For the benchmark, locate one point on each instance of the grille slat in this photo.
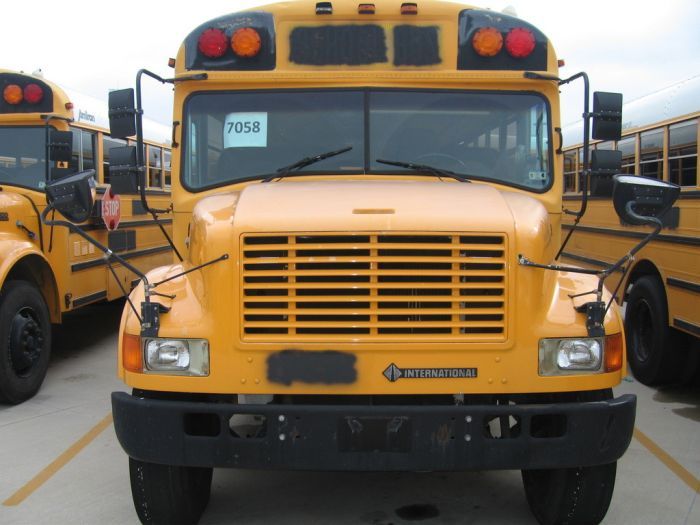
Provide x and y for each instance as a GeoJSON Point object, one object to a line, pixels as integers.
{"type": "Point", "coordinates": [366, 287]}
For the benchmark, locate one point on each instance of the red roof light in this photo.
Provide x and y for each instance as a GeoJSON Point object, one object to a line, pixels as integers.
{"type": "Point", "coordinates": [520, 42]}
{"type": "Point", "coordinates": [33, 93]}
{"type": "Point", "coordinates": [213, 43]}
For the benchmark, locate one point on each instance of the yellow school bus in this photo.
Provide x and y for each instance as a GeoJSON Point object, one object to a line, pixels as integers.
{"type": "Point", "coordinates": [662, 284]}
{"type": "Point", "coordinates": [46, 272]}
{"type": "Point", "coordinates": [368, 197]}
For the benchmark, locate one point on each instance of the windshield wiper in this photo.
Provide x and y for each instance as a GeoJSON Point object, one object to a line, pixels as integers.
{"type": "Point", "coordinates": [438, 172]}
{"type": "Point", "coordinates": [306, 161]}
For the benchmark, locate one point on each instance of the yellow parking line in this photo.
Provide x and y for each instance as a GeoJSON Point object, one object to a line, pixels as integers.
{"type": "Point", "coordinates": [43, 476]}
{"type": "Point", "coordinates": [666, 459]}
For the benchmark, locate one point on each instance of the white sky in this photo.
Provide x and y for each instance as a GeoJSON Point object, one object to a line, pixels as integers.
{"type": "Point", "coordinates": [635, 47]}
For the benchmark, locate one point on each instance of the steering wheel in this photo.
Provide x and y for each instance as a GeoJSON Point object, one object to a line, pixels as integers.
{"type": "Point", "coordinates": [447, 156]}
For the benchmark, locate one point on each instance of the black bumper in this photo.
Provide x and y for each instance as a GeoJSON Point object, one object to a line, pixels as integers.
{"type": "Point", "coordinates": [375, 438]}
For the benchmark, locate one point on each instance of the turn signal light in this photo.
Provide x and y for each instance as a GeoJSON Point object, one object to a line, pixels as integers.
{"type": "Point", "coordinates": [487, 41]}
{"type": "Point", "coordinates": [12, 94]}
{"type": "Point", "coordinates": [613, 352]}
{"type": "Point", "coordinates": [246, 42]}
{"type": "Point", "coordinates": [33, 93]}
{"type": "Point", "coordinates": [132, 357]}
{"type": "Point", "coordinates": [520, 42]}
{"type": "Point", "coordinates": [213, 43]}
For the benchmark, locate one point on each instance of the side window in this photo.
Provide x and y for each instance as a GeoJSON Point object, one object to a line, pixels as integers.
{"type": "Point", "coordinates": [107, 144]}
{"type": "Point", "coordinates": [569, 171]}
{"type": "Point", "coordinates": [651, 153]}
{"type": "Point", "coordinates": [155, 179]}
{"type": "Point", "coordinates": [683, 153]}
{"type": "Point", "coordinates": [167, 166]}
{"type": "Point", "coordinates": [88, 150]}
{"type": "Point", "coordinates": [74, 164]}
{"type": "Point", "coordinates": [627, 147]}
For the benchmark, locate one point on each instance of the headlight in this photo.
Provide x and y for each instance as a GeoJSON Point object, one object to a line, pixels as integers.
{"type": "Point", "coordinates": [189, 357]}
{"type": "Point", "coordinates": [570, 356]}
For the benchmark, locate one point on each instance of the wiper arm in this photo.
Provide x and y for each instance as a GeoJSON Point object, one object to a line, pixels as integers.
{"type": "Point", "coordinates": [438, 172]}
{"type": "Point", "coordinates": [306, 161]}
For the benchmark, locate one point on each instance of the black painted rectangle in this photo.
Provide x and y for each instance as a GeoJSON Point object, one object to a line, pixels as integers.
{"type": "Point", "coordinates": [374, 434]}
{"type": "Point", "coordinates": [336, 45]}
{"type": "Point", "coordinates": [121, 240]}
{"type": "Point", "coordinates": [416, 45]}
{"type": "Point", "coordinates": [325, 367]}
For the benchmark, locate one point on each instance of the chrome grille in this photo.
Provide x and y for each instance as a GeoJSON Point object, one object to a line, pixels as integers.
{"type": "Point", "coordinates": [373, 287]}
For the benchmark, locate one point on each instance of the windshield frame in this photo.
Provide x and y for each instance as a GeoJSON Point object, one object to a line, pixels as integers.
{"type": "Point", "coordinates": [41, 127]}
{"type": "Point", "coordinates": [366, 90]}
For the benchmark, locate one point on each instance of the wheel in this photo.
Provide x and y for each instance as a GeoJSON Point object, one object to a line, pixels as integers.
{"type": "Point", "coordinates": [654, 350]}
{"type": "Point", "coordinates": [25, 341]}
{"type": "Point", "coordinates": [166, 494]}
{"type": "Point", "coordinates": [570, 496]}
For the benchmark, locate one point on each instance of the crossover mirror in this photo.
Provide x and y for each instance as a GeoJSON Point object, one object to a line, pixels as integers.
{"type": "Point", "coordinates": [607, 116]}
{"type": "Point", "coordinates": [73, 196]}
{"type": "Point", "coordinates": [123, 170]}
{"type": "Point", "coordinates": [60, 145]}
{"type": "Point", "coordinates": [122, 113]}
{"type": "Point", "coordinates": [641, 200]}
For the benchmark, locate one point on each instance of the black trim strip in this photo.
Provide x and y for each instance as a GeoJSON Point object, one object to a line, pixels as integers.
{"type": "Point", "coordinates": [164, 193]}
{"type": "Point", "coordinates": [99, 262]}
{"type": "Point", "coordinates": [589, 260]}
{"type": "Point", "coordinates": [685, 325]}
{"type": "Point", "coordinates": [82, 301]}
{"type": "Point", "coordinates": [673, 239]}
{"type": "Point", "coordinates": [693, 194]}
{"type": "Point", "coordinates": [678, 283]}
{"type": "Point", "coordinates": [127, 224]}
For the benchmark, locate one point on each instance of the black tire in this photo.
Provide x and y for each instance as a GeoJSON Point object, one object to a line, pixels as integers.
{"type": "Point", "coordinates": [570, 496]}
{"type": "Point", "coordinates": [25, 341]}
{"type": "Point", "coordinates": [166, 494]}
{"type": "Point", "coordinates": [654, 350]}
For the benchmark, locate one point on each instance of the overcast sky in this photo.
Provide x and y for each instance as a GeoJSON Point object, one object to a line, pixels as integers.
{"type": "Point", "coordinates": [635, 47]}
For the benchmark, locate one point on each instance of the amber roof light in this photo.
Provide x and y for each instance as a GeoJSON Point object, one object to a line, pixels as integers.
{"type": "Point", "coordinates": [487, 41]}
{"type": "Point", "coordinates": [246, 42]}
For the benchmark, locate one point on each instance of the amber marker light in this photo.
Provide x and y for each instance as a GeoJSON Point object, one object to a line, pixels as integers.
{"type": "Point", "coordinates": [33, 93]}
{"type": "Point", "coordinates": [487, 41]}
{"type": "Point", "coordinates": [212, 43]}
{"type": "Point", "coordinates": [613, 352]}
{"type": "Point", "coordinates": [12, 94]}
{"type": "Point", "coordinates": [132, 356]}
{"type": "Point", "coordinates": [409, 9]}
{"type": "Point", "coordinates": [246, 42]}
{"type": "Point", "coordinates": [520, 42]}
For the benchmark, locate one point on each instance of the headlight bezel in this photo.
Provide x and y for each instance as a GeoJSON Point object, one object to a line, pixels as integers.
{"type": "Point", "coordinates": [551, 350]}
{"type": "Point", "coordinates": [197, 356]}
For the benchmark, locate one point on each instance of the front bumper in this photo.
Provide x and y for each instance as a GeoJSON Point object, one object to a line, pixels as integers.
{"type": "Point", "coordinates": [374, 438]}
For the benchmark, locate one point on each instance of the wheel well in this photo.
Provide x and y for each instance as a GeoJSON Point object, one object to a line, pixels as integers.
{"type": "Point", "coordinates": [37, 271]}
{"type": "Point", "coordinates": [642, 269]}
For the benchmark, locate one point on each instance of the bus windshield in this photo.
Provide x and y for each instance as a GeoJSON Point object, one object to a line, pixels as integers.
{"type": "Point", "coordinates": [22, 154]}
{"type": "Point", "coordinates": [500, 137]}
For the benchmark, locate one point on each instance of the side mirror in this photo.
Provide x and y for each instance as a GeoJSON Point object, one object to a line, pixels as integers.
{"type": "Point", "coordinates": [73, 196]}
{"type": "Point", "coordinates": [607, 116]}
{"type": "Point", "coordinates": [60, 145]}
{"type": "Point", "coordinates": [122, 113]}
{"type": "Point", "coordinates": [123, 170]}
{"type": "Point", "coordinates": [640, 200]}
{"type": "Point", "coordinates": [604, 164]}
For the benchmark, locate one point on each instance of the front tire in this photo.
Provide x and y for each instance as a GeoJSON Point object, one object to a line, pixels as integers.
{"type": "Point", "coordinates": [166, 494]}
{"type": "Point", "coordinates": [570, 496]}
{"type": "Point", "coordinates": [653, 348]}
{"type": "Point", "coordinates": [25, 341]}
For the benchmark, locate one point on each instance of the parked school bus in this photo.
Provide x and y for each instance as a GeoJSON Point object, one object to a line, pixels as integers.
{"type": "Point", "coordinates": [46, 272]}
{"type": "Point", "coordinates": [368, 202]}
{"type": "Point", "coordinates": [662, 286]}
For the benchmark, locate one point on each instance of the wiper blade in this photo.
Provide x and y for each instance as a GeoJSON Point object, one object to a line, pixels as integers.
{"type": "Point", "coordinates": [438, 172]}
{"type": "Point", "coordinates": [306, 161]}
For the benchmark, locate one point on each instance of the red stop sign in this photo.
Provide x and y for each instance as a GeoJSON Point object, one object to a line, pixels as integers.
{"type": "Point", "coordinates": [111, 209]}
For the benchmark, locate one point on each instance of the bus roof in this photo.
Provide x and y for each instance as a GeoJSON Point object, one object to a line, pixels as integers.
{"type": "Point", "coordinates": [676, 100]}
